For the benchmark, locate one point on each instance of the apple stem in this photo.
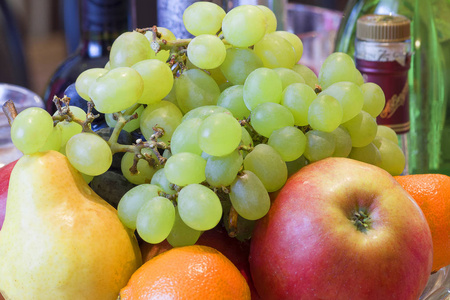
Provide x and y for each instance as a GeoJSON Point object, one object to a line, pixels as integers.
{"type": "Point", "coordinates": [361, 220]}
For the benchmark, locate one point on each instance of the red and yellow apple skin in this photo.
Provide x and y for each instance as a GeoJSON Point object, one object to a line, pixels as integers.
{"type": "Point", "coordinates": [308, 247]}
{"type": "Point", "coordinates": [5, 173]}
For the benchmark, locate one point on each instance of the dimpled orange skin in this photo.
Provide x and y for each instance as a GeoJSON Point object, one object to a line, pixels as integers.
{"type": "Point", "coordinates": [191, 272]}
{"type": "Point", "coordinates": [432, 194]}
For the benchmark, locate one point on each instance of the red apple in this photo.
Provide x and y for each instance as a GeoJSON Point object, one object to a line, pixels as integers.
{"type": "Point", "coordinates": [341, 229]}
{"type": "Point", "coordinates": [5, 173]}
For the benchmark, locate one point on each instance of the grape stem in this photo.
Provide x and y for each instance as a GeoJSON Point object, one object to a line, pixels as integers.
{"type": "Point", "coordinates": [256, 137]}
{"type": "Point", "coordinates": [64, 113]}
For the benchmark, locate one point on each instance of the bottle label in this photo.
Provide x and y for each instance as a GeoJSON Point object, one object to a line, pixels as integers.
{"type": "Point", "coordinates": [392, 77]}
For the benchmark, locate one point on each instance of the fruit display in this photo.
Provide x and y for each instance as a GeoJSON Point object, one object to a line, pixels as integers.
{"type": "Point", "coordinates": [202, 137]}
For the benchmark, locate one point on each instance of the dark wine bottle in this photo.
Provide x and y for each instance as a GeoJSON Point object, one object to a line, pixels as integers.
{"type": "Point", "coordinates": [102, 21]}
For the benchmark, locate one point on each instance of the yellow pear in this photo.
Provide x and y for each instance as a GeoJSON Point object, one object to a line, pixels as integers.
{"type": "Point", "coordinates": [60, 240]}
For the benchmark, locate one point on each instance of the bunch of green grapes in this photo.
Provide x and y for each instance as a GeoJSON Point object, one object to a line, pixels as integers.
{"type": "Point", "coordinates": [225, 118]}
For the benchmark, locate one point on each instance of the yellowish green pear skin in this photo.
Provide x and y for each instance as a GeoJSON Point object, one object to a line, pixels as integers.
{"type": "Point", "coordinates": [60, 240]}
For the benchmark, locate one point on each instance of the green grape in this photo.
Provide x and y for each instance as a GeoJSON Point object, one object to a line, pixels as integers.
{"type": "Point", "coordinates": [368, 154]}
{"type": "Point", "coordinates": [343, 142]}
{"type": "Point", "coordinates": [349, 96]}
{"type": "Point", "coordinates": [271, 19]}
{"type": "Point", "coordinates": [387, 132]}
{"type": "Point", "coordinates": [244, 25]}
{"type": "Point", "coordinates": [262, 85]}
{"type": "Point", "coordinates": [249, 196]}
{"type": "Point", "coordinates": [295, 41]}
{"type": "Point", "coordinates": [107, 66]}
{"type": "Point", "coordinates": [295, 165]}
{"type": "Point", "coordinates": [362, 129]}
{"type": "Point", "coordinates": [130, 125]}
{"type": "Point", "coordinates": [392, 157]}
{"type": "Point", "coordinates": [308, 75]}
{"type": "Point", "coordinates": [128, 49]}
{"type": "Point", "coordinates": [206, 51]}
{"type": "Point", "coordinates": [232, 99]}
{"type": "Point", "coordinates": [69, 129]}
{"type": "Point", "coordinates": [214, 73]}
{"type": "Point", "coordinates": [203, 18]}
{"type": "Point", "coordinates": [268, 165]}
{"type": "Point", "coordinates": [319, 145]}
{"type": "Point", "coordinates": [184, 138]}
{"type": "Point", "coordinates": [239, 63]}
{"type": "Point", "coordinates": [145, 169]}
{"type": "Point", "coordinates": [86, 79]}
{"type": "Point", "coordinates": [195, 88]}
{"type": "Point", "coordinates": [224, 86]}
{"type": "Point", "coordinates": [185, 168]}
{"type": "Point", "coordinates": [219, 134]}
{"type": "Point", "coordinates": [132, 201]}
{"type": "Point", "coordinates": [89, 153]}
{"type": "Point", "coordinates": [222, 170]}
{"type": "Point", "coordinates": [181, 234]}
{"type": "Point", "coordinates": [246, 138]}
{"type": "Point", "coordinates": [116, 90]}
{"type": "Point", "coordinates": [288, 77]}
{"type": "Point", "coordinates": [165, 115]}
{"type": "Point", "coordinates": [87, 178]}
{"type": "Point", "coordinates": [30, 129]}
{"type": "Point", "coordinates": [325, 113]}
{"type": "Point", "coordinates": [53, 141]}
{"type": "Point", "coordinates": [160, 179]}
{"type": "Point", "coordinates": [289, 141]}
{"type": "Point", "coordinates": [199, 207]}
{"type": "Point", "coordinates": [297, 97]}
{"type": "Point", "coordinates": [275, 51]}
{"type": "Point", "coordinates": [158, 80]}
{"type": "Point", "coordinates": [171, 96]}
{"type": "Point", "coordinates": [359, 80]}
{"type": "Point", "coordinates": [267, 117]}
{"type": "Point", "coordinates": [337, 67]}
{"type": "Point", "coordinates": [374, 99]}
{"type": "Point", "coordinates": [203, 112]}
{"type": "Point", "coordinates": [155, 220]}
{"type": "Point", "coordinates": [166, 34]}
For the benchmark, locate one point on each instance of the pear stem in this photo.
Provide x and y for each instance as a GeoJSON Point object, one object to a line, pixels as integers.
{"type": "Point", "coordinates": [10, 111]}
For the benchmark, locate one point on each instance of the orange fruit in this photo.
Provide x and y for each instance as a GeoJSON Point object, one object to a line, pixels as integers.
{"type": "Point", "coordinates": [191, 272]}
{"type": "Point", "coordinates": [432, 194]}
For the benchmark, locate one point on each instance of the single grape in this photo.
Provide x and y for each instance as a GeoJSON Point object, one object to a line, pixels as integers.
{"type": "Point", "coordinates": [349, 96]}
{"type": "Point", "coordinates": [387, 132]}
{"type": "Point", "coordinates": [271, 19]}
{"type": "Point", "coordinates": [145, 169]}
{"type": "Point", "coordinates": [232, 99]}
{"type": "Point", "coordinates": [294, 40]}
{"type": "Point", "coordinates": [374, 99]}
{"type": "Point", "coordinates": [31, 129]}
{"type": "Point", "coordinates": [219, 134]}
{"type": "Point", "coordinates": [368, 154]}
{"type": "Point", "coordinates": [203, 112]}
{"type": "Point", "coordinates": [203, 18]}
{"type": "Point", "coordinates": [267, 117]}
{"type": "Point", "coordinates": [86, 79]}
{"type": "Point", "coordinates": [185, 168]}
{"type": "Point", "coordinates": [222, 170]}
{"type": "Point", "coordinates": [166, 34]}
{"type": "Point", "coordinates": [249, 196]}
{"type": "Point", "coordinates": [319, 145]}
{"type": "Point", "coordinates": [337, 67]}
{"type": "Point", "coordinates": [160, 179]}
{"type": "Point", "coordinates": [244, 25]}
{"type": "Point", "coordinates": [89, 153]}
{"type": "Point", "coordinates": [155, 220]}
{"type": "Point", "coordinates": [116, 90]}
{"type": "Point", "coordinates": [343, 142]}
{"type": "Point", "coordinates": [392, 158]}
{"type": "Point", "coordinates": [268, 165]}
{"type": "Point", "coordinates": [262, 85]}
{"type": "Point", "coordinates": [289, 141]}
{"type": "Point", "coordinates": [111, 186]}
{"type": "Point", "coordinates": [307, 74]}
{"type": "Point", "coordinates": [185, 137]}
{"type": "Point", "coordinates": [288, 77]}
{"type": "Point", "coordinates": [165, 115]}
{"type": "Point", "coordinates": [275, 51]}
{"type": "Point", "coordinates": [239, 63]}
{"type": "Point", "coordinates": [132, 201]}
{"type": "Point", "coordinates": [53, 141]}
{"type": "Point", "coordinates": [362, 129]}
{"type": "Point", "coordinates": [295, 165]}
{"type": "Point", "coordinates": [130, 125]}
{"type": "Point", "coordinates": [325, 113]}
{"type": "Point", "coordinates": [69, 129]}
{"type": "Point", "coordinates": [157, 78]}
{"type": "Point", "coordinates": [206, 51]}
{"type": "Point", "coordinates": [297, 97]}
{"type": "Point", "coordinates": [195, 88]}
{"type": "Point", "coordinates": [128, 49]}
{"type": "Point", "coordinates": [199, 207]}
{"type": "Point", "coordinates": [181, 234]}
{"type": "Point", "coordinates": [246, 139]}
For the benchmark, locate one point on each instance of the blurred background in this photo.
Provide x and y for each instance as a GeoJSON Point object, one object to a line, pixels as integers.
{"type": "Point", "coordinates": [36, 36]}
